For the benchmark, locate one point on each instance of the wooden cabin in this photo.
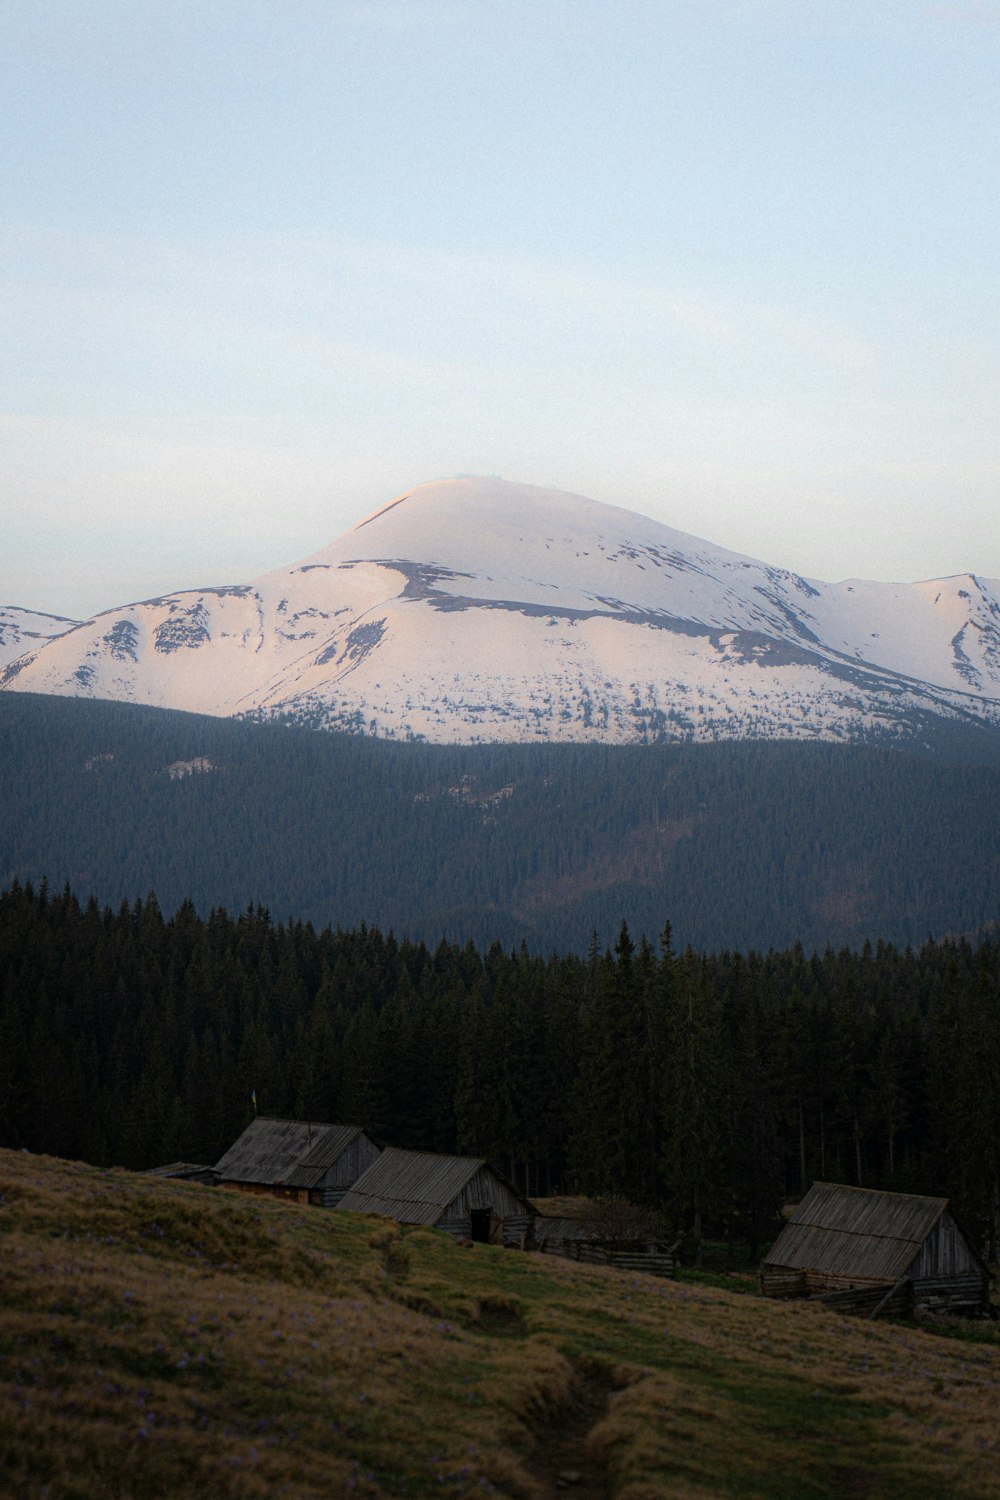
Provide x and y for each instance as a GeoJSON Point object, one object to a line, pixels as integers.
{"type": "Point", "coordinates": [461, 1194]}
{"type": "Point", "coordinates": [860, 1249]}
{"type": "Point", "coordinates": [297, 1160]}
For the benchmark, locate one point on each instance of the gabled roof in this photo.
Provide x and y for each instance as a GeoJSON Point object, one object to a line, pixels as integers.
{"type": "Point", "coordinates": [285, 1153]}
{"type": "Point", "coordinates": [326, 1151]}
{"type": "Point", "coordinates": [849, 1231]}
{"type": "Point", "coordinates": [411, 1186]}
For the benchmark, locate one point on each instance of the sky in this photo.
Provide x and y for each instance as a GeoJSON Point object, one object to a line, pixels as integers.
{"type": "Point", "coordinates": [266, 264]}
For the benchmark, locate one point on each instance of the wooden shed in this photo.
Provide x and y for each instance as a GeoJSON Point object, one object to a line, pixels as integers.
{"type": "Point", "coordinates": [860, 1249]}
{"type": "Point", "coordinates": [297, 1160]}
{"type": "Point", "coordinates": [460, 1194]}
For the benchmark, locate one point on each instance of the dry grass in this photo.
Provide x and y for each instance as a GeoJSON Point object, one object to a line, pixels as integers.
{"type": "Point", "coordinates": [159, 1339]}
{"type": "Point", "coordinates": [565, 1206]}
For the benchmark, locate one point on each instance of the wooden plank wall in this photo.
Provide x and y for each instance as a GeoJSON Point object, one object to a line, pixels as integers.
{"type": "Point", "coordinates": [945, 1253]}
{"type": "Point", "coordinates": [790, 1281]}
{"type": "Point", "coordinates": [863, 1301]}
{"type": "Point", "coordinates": [654, 1262]}
{"type": "Point", "coordinates": [265, 1190]}
{"type": "Point", "coordinates": [782, 1281]}
{"type": "Point", "coordinates": [351, 1163]}
{"type": "Point", "coordinates": [515, 1226]}
{"type": "Point", "coordinates": [328, 1196]}
{"type": "Point", "coordinates": [953, 1293]}
{"type": "Point", "coordinates": [484, 1190]}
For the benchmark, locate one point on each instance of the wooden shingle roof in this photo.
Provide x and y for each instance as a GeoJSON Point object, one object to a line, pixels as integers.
{"type": "Point", "coordinates": [411, 1186]}
{"type": "Point", "coordinates": [849, 1231]}
{"type": "Point", "coordinates": [285, 1153]}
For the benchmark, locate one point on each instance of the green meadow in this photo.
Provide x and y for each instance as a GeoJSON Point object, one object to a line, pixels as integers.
{"type": "Point", "coordinates": [164, 1339]}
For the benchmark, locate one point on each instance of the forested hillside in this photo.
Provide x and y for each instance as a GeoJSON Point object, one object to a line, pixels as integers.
{"type": "Point", "coordinates": [714, 1086]}
{"type": "Point", "coordinates": [741, 846]}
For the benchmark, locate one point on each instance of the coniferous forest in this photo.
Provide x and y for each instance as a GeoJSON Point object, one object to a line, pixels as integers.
{"type": "Point", "coordinates": [749, 845]}
{"type": "Point", "coordinates": [712, 1086]}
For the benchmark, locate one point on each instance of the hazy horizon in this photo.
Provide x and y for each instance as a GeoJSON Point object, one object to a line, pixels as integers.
{"type": "Point", "coordinates": [268, 265]}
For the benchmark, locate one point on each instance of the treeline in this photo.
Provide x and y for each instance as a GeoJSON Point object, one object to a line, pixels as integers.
{"type": "Point", "coordinates": [752, 845]}
{"type": "Point", "coordinates": [713, 1086]}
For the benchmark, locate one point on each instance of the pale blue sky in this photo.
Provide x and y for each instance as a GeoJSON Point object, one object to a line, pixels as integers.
{"type": "Point", "coordinates": [267, 263]}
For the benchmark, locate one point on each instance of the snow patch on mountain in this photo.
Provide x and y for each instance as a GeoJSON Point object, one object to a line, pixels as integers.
{"type": "Point", "coordinates": [23, 629]}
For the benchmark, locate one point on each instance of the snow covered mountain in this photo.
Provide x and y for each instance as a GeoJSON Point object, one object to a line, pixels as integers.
{"type": "Point", "coordinates": [23, 630]}
{"type": "Point", "coordinates": [479, 610]}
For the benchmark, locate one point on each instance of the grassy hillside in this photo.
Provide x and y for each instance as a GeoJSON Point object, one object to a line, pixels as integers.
{"type": "Point", "coordinates": [163, 1339]}
{"type": "Point", "coordinates": [741, 846]}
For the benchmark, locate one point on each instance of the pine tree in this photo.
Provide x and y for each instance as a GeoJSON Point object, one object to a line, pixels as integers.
{"type": "Point", "coordinates": [611, 1095]}
{"type": "Point", "coordinates": [693, 1113]}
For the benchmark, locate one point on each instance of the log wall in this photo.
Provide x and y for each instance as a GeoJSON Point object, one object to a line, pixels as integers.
{"type": "Point", "coordinates": [965, 1294]}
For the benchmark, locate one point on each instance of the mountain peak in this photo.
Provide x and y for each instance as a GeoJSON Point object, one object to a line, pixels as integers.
{"type": "Point", "coordinates": [490, 499]}
{"type": "Point", "coordinates": [476, 608]}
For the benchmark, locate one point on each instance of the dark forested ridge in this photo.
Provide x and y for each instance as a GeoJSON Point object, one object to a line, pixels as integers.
{"type": "Point", "coordinates": [711, 1085]}
{"type": "Point", "coordinates": [743, 846]}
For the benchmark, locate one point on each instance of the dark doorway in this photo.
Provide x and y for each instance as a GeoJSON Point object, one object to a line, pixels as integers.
{"type": "Point", "coordinates": [480, 1225]}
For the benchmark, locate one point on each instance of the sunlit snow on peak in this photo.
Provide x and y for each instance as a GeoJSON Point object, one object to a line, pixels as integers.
{"type": "Point", "coordinates": [475, 608]}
